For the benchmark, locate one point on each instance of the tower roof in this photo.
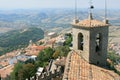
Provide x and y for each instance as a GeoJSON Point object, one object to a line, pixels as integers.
{"type": "Point", "coordinates": [90, 23]}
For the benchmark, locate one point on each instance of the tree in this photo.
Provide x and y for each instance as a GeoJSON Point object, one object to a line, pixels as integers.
{"type": "Point", "coordinates": [41, 56]}
{"type": "Point", "coordinates": [30, 61]}
{"type": "Point", "coordinates": [61, 51]}
{"type": "Point", "coordinates": [27, 71]}
{"type": "Point", "coordinates": [68, 40]}
{"type": "Point", "coordinates": [48, 53]}
{"type": "Point", "coordinates": [44, 56]}
{"type": "Point", "coordinates": [56, 54]}
{"type": "Point", "coordinates": [115, 60]}
{"type": "Point", "coordinates": [113, 57]}
{"type": "Point", "coordinates": [17, 39]}
{"type": "Point", "coordinates": [14, 74]}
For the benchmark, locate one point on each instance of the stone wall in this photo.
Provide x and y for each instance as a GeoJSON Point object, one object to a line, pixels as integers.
{"type": "Point", "coordinates": [67, 66]}
{"type": "Point", "coordinates": [89, 44]}
{"type": "Point", "coordinates": [48, 75]}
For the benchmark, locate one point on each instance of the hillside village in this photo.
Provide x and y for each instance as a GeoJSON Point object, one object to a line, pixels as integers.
{"type": "Point", "coordinates": [8, 60]}
{"type": "Point", "coordinates": [85, 57]}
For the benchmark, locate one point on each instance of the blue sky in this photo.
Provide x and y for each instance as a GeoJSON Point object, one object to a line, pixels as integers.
{"type": "Point", "coordinates": [35, 4]}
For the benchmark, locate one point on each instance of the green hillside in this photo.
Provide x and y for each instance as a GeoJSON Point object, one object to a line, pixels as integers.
{"type": "Point", "coordinates": [19, 38]}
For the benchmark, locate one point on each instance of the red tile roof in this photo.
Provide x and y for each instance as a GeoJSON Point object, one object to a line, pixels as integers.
{"type": "Point", "coordinates": [78, 69]}
{"type": "Point", "coordinates": [36, 47]}
{"type": "Point", "coordinates": [34, 50]}
{"type": "Point", "coordinates": [4, 63]}
{"type": "Point", "coordinates": [6, 71]}
{"type": "Point", "coordinates": [90, 23]}
{"type": "Point", "coordinates": [39, 47]}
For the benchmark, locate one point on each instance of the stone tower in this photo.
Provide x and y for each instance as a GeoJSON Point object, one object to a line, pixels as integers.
{"type": "Point", "coordinates": [90, 40]}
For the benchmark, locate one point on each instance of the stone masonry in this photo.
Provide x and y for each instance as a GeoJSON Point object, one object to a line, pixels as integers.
{"type": "Point", "coordinates": [89, 29]}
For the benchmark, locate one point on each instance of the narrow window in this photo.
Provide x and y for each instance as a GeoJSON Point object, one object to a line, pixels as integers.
{"type": "Point", "coordinates": [80, 41]}
{"type": "Point", "coordinates": [98, 63]}
{"type": "Point", "coordinates": [98, 38]}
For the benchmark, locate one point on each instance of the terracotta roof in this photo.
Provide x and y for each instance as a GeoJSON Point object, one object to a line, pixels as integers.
{"type": "Point", "coordinates": [90, 23]}
{"type": "Point", "coordinates": [51, 42]}
{"type": "Point", "coordinates": [22, 59]}
{"type": "Point", "coordinates": [34, 50]}
{"type": "Point", "coordinates": [39, 47]}
{"type": "Point", "coordinates": [78, 69]}
{"type": "Point", "coordinates": [4, 63]}
{"type": "Point", "coordinates": [6, 71]}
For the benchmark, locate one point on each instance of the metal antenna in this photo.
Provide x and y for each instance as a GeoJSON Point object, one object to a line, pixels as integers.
{"type": "Point", "coordinates": [90, 9]}
{"type": "Point", "coordinates": [105, 9]}
{"type": "Point", "coordinates": [76, 20]}
{"type": "Point", "coordinates": [90, 12]}
{"type": "Point", "coordinates": [106, 21]}
{"type": "Point", "coordinates": [90, 6]}
{"type": "Point", "coordinates": [75, 9]}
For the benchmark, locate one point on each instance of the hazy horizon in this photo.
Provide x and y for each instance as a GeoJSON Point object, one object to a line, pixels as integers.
{"type": "Point", "coordinates": [39, 4]}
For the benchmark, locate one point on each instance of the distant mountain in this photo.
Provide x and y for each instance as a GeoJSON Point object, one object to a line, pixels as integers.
{"type": "Point", "coordinates": [19, 38]}
{"type": "Point", "coordinates": [48, 19]}
{"type": "Point", "coordinates": [13, 17]}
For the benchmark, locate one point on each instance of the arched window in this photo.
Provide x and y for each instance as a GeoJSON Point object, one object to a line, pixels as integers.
{"type": "Point", "coordinates": [98, 40]}
{"type": "Point", "coordinates": [80, 41]}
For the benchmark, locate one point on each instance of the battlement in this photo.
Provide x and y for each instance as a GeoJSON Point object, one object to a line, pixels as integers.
{"type": "Point", "coordinates": [48, 75]}
{"type": "Point", "coordinates": [67, 66]}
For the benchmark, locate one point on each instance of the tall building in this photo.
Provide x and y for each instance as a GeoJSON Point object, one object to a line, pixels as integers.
{"type": "Point", "coordinates": [90, 40]}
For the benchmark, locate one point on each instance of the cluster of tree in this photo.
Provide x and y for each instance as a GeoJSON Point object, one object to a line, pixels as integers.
{"type": "Point", "coordinates": [28, 69]}
{"type": "Point", "coordinates": [47, 54]}
{"type": "Point", "coordinates": [115, 60]}
{"type": "Point", "coordinates": [68, 40]}
{"type": "Point", "coordinates": [19, 38]}
{"type": "Point", "coordinates": [23, 71]}
{"type": "Point", "coordinates": [61, 51]}
{"type": "Point", "coordinates": [44, 57]}
{"type": "Point", "coordinates": [113, 57]}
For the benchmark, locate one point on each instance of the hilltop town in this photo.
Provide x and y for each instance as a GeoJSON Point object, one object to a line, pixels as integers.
{"type": "Point", "coordinates": [8, 60]}
{"type": "Point", "coordinates": [52, 40]}
{"type": "Point", "coordinates": [77, 53]}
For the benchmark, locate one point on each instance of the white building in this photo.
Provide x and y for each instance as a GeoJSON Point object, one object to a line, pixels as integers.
{"type": "Point", "coordinates": [51, 35]}
{"type": "Point", "coordinates": [39, 71]}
